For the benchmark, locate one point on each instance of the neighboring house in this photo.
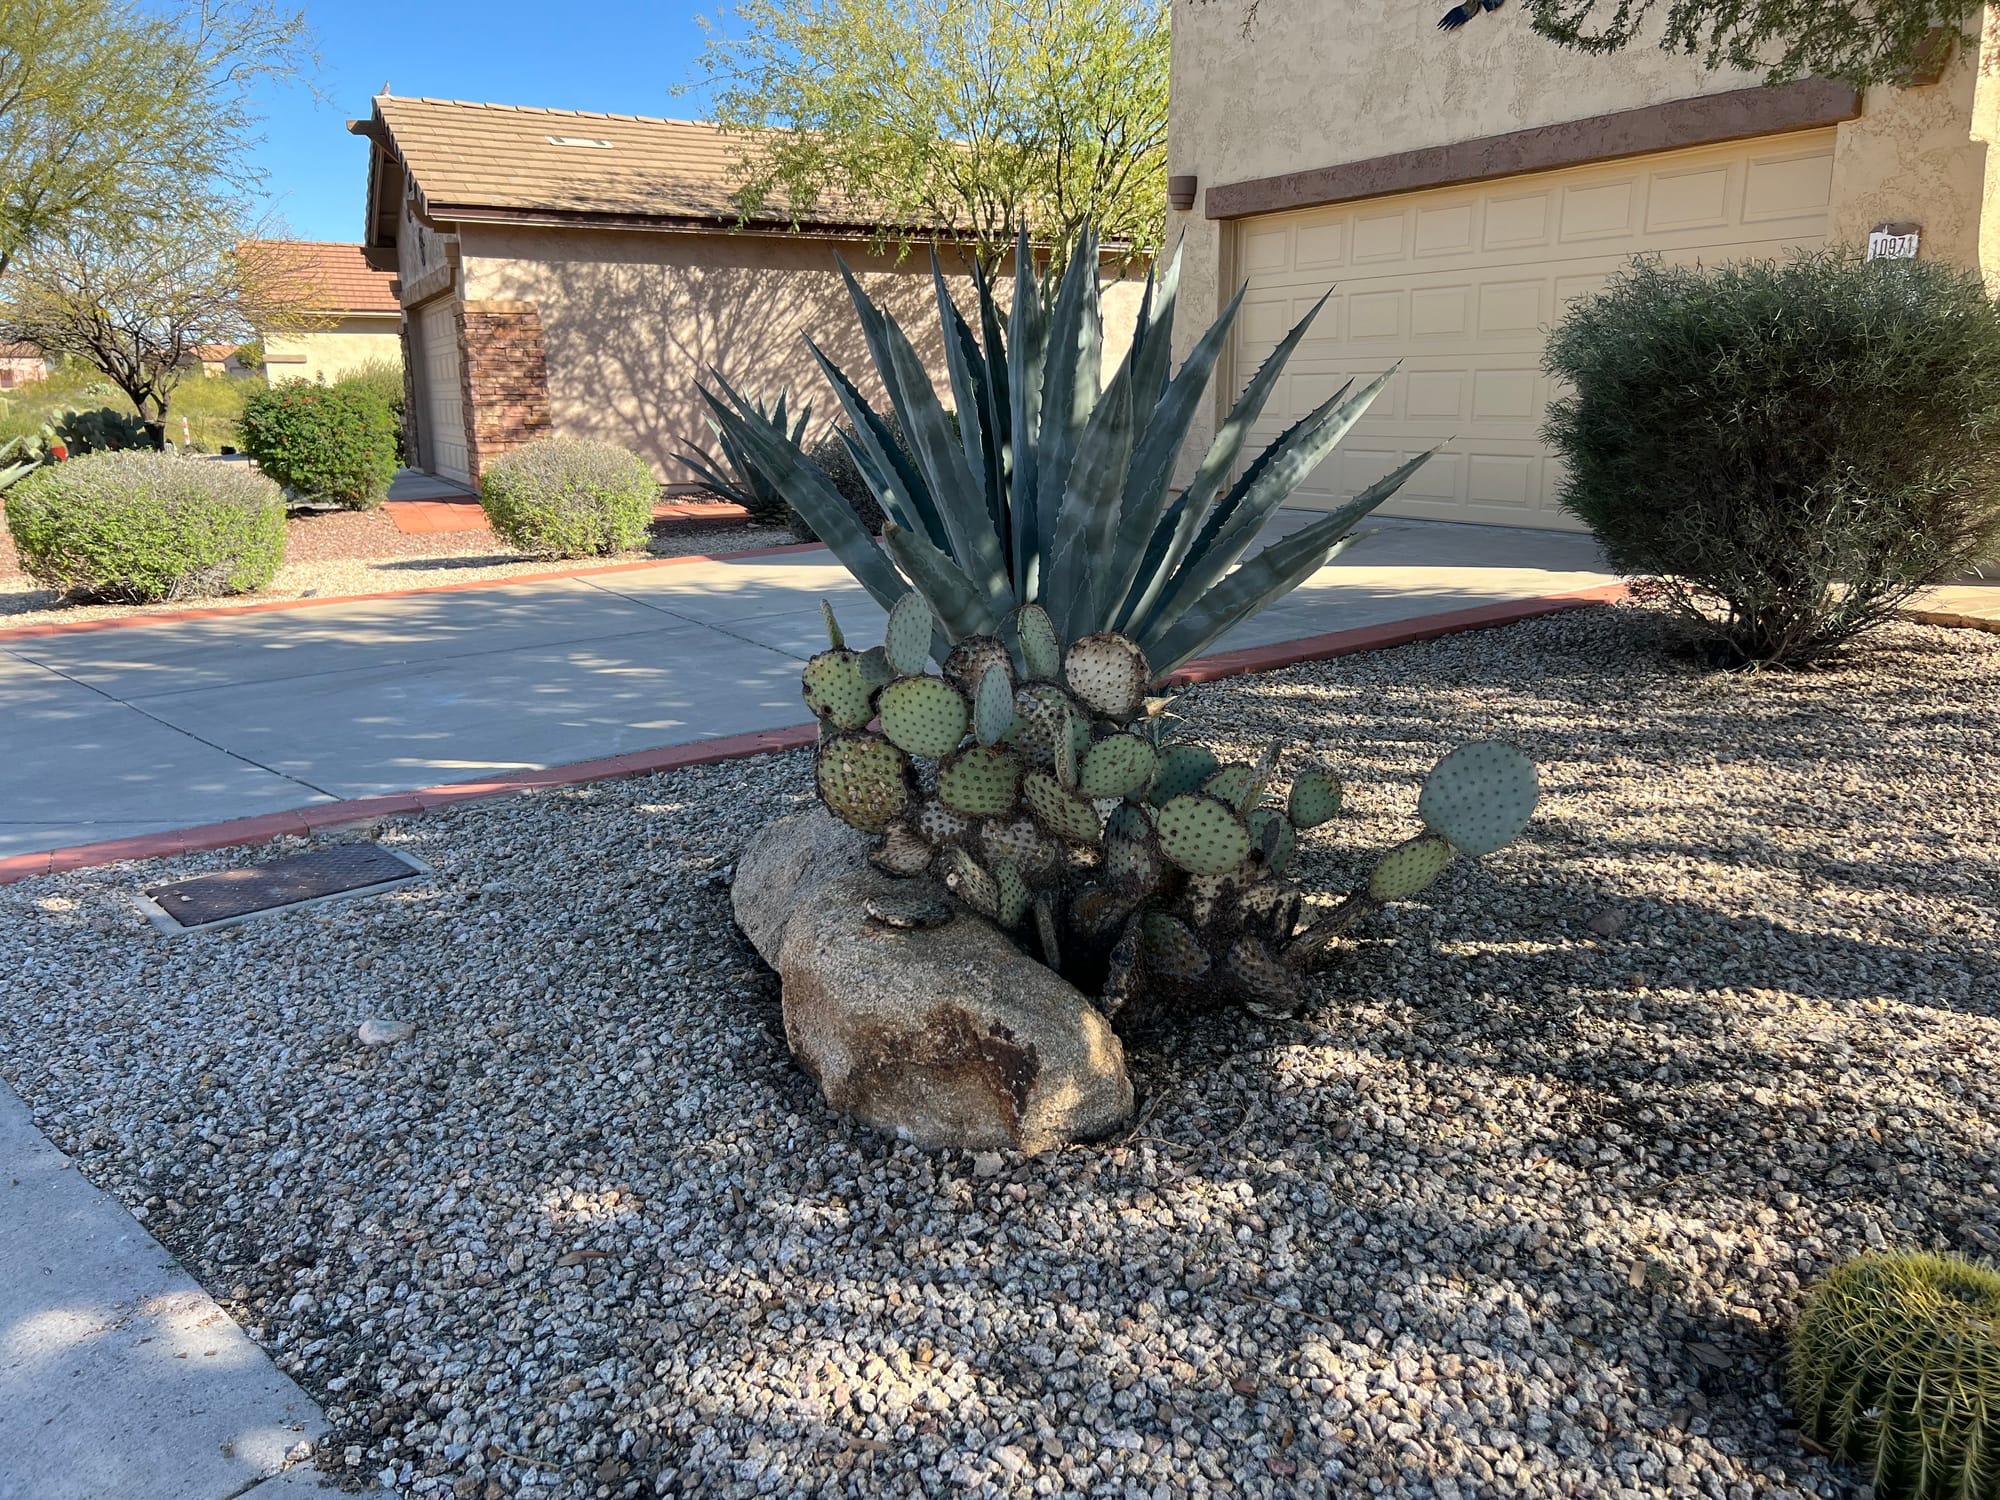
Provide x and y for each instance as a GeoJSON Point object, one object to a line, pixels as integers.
{"type": "Point", "coordinates": [579, 273]}
{"type": "Point", "coordinates": [350, 293]}
{"type": "Point", "coordinates": [1455, 190]}
{"type": "Point", "coordinates": [20, 364]}
{"type": "Point", "coordinates": [214, 359]}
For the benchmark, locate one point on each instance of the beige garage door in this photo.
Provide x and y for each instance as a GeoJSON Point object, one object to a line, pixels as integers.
{"type": "Point", "coordinates": [1462, 283]}
{"type": "Point", "coordinates": [444, 398]}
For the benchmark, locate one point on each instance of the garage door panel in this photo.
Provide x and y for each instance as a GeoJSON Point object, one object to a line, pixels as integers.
{"type": "Point", "coordinates": [1461, 284]}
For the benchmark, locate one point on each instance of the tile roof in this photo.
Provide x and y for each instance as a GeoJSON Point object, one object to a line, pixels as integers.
{"type": "Point", "coordinates": [341, 278]}
{"type": "Point", "coordinates": [21, 351]}
{"type": "Point", "coordinates": [563, 162]}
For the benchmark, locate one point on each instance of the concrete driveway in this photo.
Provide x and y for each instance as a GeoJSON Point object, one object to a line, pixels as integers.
{"type": "Point", "coordinates": [113, 733]}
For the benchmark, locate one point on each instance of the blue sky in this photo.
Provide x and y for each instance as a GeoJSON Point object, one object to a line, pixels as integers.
{"type": "Point", "coordinates": [620, 55]}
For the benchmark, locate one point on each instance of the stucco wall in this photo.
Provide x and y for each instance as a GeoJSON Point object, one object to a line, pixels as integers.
{"type": "Point", "coordinates": [330, 352]}
{"type": "Point", "coordinates": [631, 321]}
{"type": "Point", "coordinates": [1316, 83]}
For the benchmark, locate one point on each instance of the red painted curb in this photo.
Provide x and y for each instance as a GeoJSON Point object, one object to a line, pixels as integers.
{"type": "Point", "coordinates": [1380, 637]}
{"type": "Point", "coordinates": [269, 606]}
{"type": "Point", "coordinates": [303, 820]}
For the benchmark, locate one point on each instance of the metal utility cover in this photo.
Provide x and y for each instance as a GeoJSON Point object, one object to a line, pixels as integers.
{"type": "Point", "coordinates": [282, 885]}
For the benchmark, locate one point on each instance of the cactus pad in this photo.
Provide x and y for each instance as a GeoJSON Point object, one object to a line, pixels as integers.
{"type": "Point", "coordinates": [1066, 756]}
{"type": "Point", "coordinates": [1013, 895]}
{"type": "Point", "coordinates": [971, 883]}
{"type": "Point", "coordinates": [1171, 949]}
{"type": "Point", "coordinates": [993, 706]}
{"type": "Point", "coordinates": [875, 667]}
{"type": "Point", "coordinates": [1271, 837]}
{"type": "Point", "coordinates": [1010, 840]}
{"type": "Point", "coordinates": [1233, 784]}
{"type": "Point", "coordinates": [972, 658]}
{"type": "Point", "coordinates": [1045, 711]}
{"type": "Point", "coordinates": [1041, 652]}
{"type": "Point", "coordinates": [1131, 864]}
{"type": "Point", "coordinates": [939, 825]}
{"type": "Point", "coordinates": [904, 851]}
{"type": "Point", "coordinates": [1108, 672]}
{"type": "Point", "coordinates": [1480, 796]}
{"type": "Point", "coordinates": [906, 639]}
{"type": "Point", "coordinates": [1315, 798]}
{"type": "Point", "coordinates": [1119, 765]}
{"type": "Point", "coordinates": [1267, 985]}
{"type": "Point", "coordinates": [980, 781]}
{"type": "Point", "coordinates": [1059, 810]}
{"type": "Point", "coordinates": [1895, 1367]}
{"type": "Point", "coordinates": [1409, 868]}
{"type": "Point", "coordinates": [923, 715]}
{"type": "Point", "coordinates": [863, 778]}
{"type": "Point", "coordinates": [837, 690]}
{"type": "Point", "coordinates": [1202, 835]}
{"type": "Point", "coordinates": [1128, 821]}
{"type": "Point", "coordinates": [1183, 768]}
{"type": "Point", "coordinates": [1096, 911]}
{"type": "Point", "coordinates": [833, 636]}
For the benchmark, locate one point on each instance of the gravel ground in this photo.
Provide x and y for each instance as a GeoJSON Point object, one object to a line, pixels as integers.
{"type": "Point", "coordinates": [332, 554]}
{"type": "Point", "coordinates": [1523, 1207]}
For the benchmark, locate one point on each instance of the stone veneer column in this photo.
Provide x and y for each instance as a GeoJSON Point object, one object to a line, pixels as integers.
{"type": "Point", "coordinates": [506, 379]}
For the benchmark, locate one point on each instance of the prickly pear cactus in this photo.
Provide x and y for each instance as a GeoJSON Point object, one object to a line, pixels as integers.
{"type": "Point", "coordinates": [1033, 782]}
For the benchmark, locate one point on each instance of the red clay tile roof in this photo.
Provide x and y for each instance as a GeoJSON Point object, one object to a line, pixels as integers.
{"type": "Point", "coordinates": [21, 351]}
{"type": "Point", "coordinates": [341, 278]}
{"type": "Point", "coordinates": [213, 353]}
{"type": "Point", "coordinates": [563, 162]}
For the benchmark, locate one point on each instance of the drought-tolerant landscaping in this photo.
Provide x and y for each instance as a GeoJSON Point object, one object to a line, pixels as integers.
{"type": "Point", "coordinates": [1524, 1202]}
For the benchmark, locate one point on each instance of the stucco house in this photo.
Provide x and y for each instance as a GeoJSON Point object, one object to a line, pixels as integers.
{"type": "Point", "coordinates": [349, 292]}
{"type": "Point", "coordinates": [21, 364]}
{"type": "Point", "coordinates": [1455, 189]}
{"type": "Point", "coordinates": [579, 273]}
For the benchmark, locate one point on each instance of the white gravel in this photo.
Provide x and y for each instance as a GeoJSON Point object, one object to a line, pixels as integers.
{"type": "Point", "coordinates": [1523, 1208]}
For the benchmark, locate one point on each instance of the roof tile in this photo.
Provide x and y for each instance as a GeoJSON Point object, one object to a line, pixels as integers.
{"type": "Point", "coordinates": [338, 278]}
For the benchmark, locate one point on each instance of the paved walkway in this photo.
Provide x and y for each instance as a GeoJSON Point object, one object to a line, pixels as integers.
{"type": "Point", "coordinates": [114, 733]}
{"type": "Point", "coordinates": [120, 1379]}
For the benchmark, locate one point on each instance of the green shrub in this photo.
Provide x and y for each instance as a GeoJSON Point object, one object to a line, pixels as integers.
{"type": "Point", "coordinates": [381, 380]}
{"type": "Point", "coordinates": [145, 526]}
{"type": "Point", "coordinates": [322, 442]}
{"type": "Point", "coordinates": [568, 498]}
{"type": "Point", "coordinates": [1896, 1367]}
{"type": "Point", "coordinates": [1793, 448]}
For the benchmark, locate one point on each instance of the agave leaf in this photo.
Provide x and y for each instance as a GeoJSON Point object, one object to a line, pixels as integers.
{"type": "Point", "coordinates": [808, 491]}
{"type": "Point", "coordinates": [1219, 460]}
{"type": "Point", "coordinates": [959, 604]}
{"type": "Point", "coordinates": [965, 366]}
{"type": "Point", "coordinates": [1027, 346]}
{"type": "Point", "coordinates": [1153, 342]}
{"type": "Point", "coordinates": [1070, 391]}
{"type": "Point", "coordinates": [999, 408]}
{"type": "Point", "coordinates": [1279, 470]}
{"type": "Point", "coordinates": [897, 485]}
{"type": "Point", "coordinates": [1089, 520]}
{"type": "Point", "coordinates": [1280, 567]}
{"type": "Point", "coordinates": [1142, 538]}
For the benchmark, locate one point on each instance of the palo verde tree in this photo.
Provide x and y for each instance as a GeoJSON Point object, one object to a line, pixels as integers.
{"type": "Point", "coordinates": [136, 305]}
{"type": "Point", "coordinates": [969, 116]}
{"type": "Point", "coordinates": [1860, 41]}
{"type": "Point", "coordinates": [111, 108]}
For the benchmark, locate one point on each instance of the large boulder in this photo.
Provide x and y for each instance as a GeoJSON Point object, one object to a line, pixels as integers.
{"type": "Point", "coordinates": [945, 1036]}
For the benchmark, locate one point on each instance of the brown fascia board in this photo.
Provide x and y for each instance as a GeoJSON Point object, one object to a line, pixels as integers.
{"type": "Point", "coordinates": [1709, 120]}
{"type": "Point", "coordinates": [579, 218]}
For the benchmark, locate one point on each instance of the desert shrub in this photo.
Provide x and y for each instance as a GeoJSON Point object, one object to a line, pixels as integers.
{"type": "Point", "coordinates": [142, 526]}
{"type": "Point", "coordinates": [322, 442]}
{"type": "Point", "coordinates": [569, 498]}
{"type": "Point", "coordinates": [381, 380]}
{"type": "Point", "coordinates": [1793, 448]}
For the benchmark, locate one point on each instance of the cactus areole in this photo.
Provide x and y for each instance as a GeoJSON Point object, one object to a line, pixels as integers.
{"type": "Point", "coordinates": [1034, 550]}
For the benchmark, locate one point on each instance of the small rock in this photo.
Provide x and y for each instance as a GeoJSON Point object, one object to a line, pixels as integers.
{"type": "Point", "coordinates": [986, 1164]}
{"type": "Point", "coordinates": [379, 1031]}
{"type": "Point", "coordinates": [1608, 923]}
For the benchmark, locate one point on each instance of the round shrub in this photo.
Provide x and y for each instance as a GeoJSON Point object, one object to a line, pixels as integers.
{"type": "Point", "coordinates": [147, 526]}
{"type": "Point", "coordinates": [322, 442]}
{"type": "Point", "coordinates": [564, 497]}
{"type": "Point", "coordinates": [1896, 1367]}
{"type": "Point", "coordinates": [1792, 449]}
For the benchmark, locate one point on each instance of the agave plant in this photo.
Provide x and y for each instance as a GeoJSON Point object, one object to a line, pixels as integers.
{"type": "Point", "coordinates": [731, 476]}
{"type": "Point", "coordinates": [1035, 550]}
{"type": "Point", "coordinates": [1055, 487]}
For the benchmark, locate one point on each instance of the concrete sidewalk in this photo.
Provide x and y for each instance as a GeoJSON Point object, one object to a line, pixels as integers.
{"type": "Point", "coordinates": [114, 733]}
{"type": "Point", "coordinates": [120, 1379]}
